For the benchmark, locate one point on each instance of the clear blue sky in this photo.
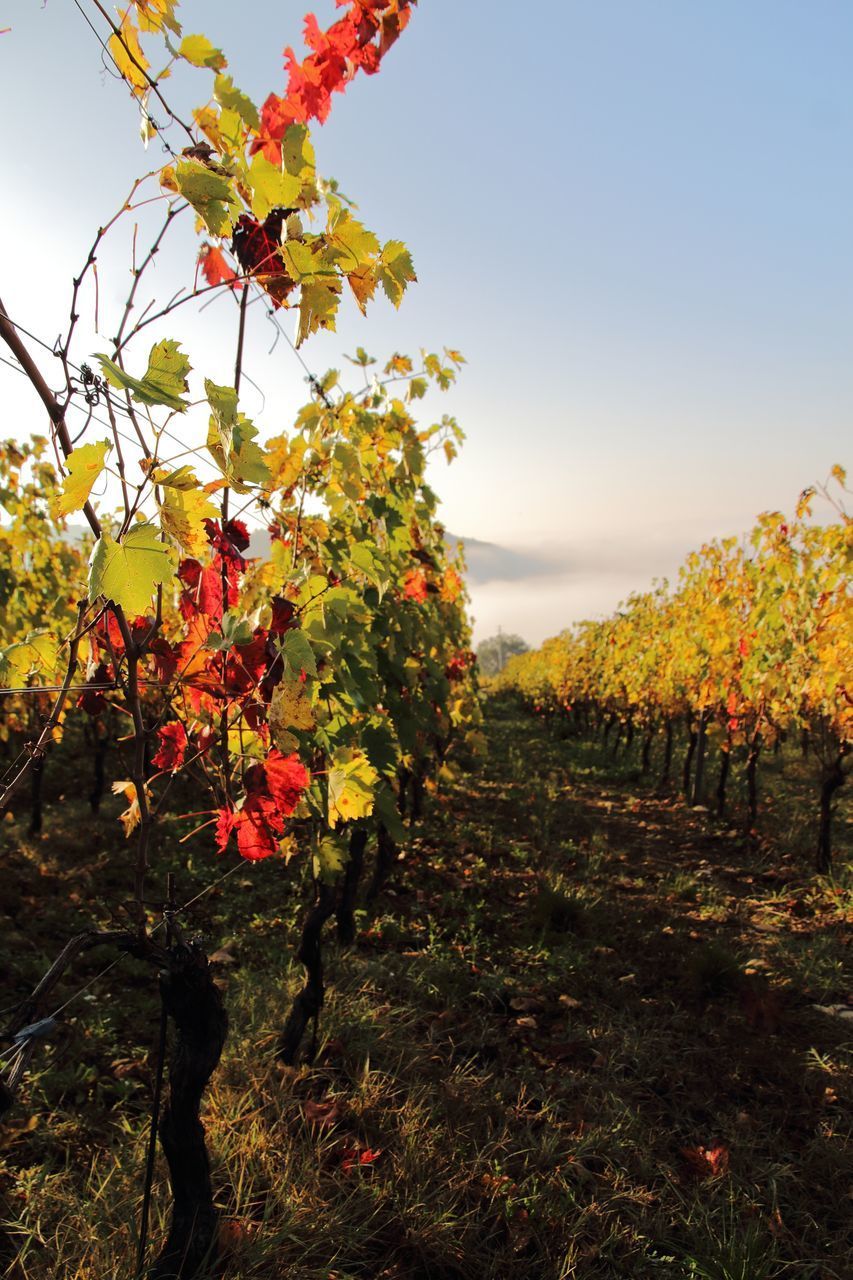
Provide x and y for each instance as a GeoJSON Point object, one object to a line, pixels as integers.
{"type": "Point", "coordinates": [633, 217]}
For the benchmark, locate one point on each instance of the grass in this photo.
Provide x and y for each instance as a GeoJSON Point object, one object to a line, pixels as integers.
{"type": "Point", "coordinates": [572, 991]}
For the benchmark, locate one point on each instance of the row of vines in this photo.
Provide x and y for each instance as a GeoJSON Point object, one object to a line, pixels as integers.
{"type": "Point", "coordinates": [275, 630]}
{"type": "Point", "coordinates": [752, 645]}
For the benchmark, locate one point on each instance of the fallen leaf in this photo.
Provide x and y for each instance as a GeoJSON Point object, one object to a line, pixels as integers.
{"type": "Point", "coordinates": [323, 1114]}
{"type": "Point", "coordinates": [706, 1162]}
{"type": "Point", "coordinates": [526, 1004]}
{"type": "Point", "coordinates": [358, 1157]}
{"type": "Point", "coordinates": [835, 1010]}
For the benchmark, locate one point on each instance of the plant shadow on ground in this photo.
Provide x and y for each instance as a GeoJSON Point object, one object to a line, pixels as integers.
{"type": "Point", "coordinates": [579, 1039]}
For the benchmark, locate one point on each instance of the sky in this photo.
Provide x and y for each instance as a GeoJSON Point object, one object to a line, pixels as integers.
{"type": "Point", "coordinates": [633, 217]}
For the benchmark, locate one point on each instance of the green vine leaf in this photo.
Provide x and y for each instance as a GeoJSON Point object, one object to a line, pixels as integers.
{"type": "Point", "coordinates": [231, 440]}
{"type": "Point", "coordinates": [210, 193]}
{"type": "Point", "coordinates": [271, 186]}
{"type": "Point", "coordinates": [129, 570]}
{"type": "Point", "coordinates": [163, 382]}
{"type": "Point", "coordinates": [230, 97]}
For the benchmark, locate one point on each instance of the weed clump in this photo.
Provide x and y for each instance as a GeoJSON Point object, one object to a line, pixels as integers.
{"type": "Point", "coordinates": [557, 912]}
{"type": "Point", "coordinates": [713, 970]}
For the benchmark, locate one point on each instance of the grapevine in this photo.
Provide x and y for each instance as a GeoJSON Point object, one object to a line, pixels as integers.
{"type": "Point", "coordinates": [310, 692]}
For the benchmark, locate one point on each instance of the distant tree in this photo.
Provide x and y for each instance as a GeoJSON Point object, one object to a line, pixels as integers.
{"type": "Point", "coordinates": [494, 653]}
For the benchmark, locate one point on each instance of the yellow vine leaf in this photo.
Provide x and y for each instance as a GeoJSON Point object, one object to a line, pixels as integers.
{"type": "Point", "coordinates": [290, 708]}
{"type": "Point", "coordinates": [157, 15]}
{"type": "Point", "coordinates": [352, 782]}
{"type": "Point", "coordinates": [182, 515]}
{"type": "Point", "coordinates": [395, 270]}
{"type": "Point", "coordinates": [201, 53]}
{"type": "Point", "coordinates": [85, 464]}
{"type": "Point", "coordinates": [36, 655]}
{"type": "Point", "coordinates": [131, 816]}
{"type": "Point", "coordinates": [127, 54]}
{"type": "Point", "coordinates": [318, 305]}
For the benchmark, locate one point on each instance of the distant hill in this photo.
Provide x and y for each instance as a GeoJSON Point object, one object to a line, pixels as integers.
{"type": "Point", "coordinates": [490, 562]}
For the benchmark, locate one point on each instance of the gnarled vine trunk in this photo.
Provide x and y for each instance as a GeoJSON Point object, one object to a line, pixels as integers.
{"type": "Point", "coordinates": [666, 773]}
{"type": "Point", "coordinates": [309, 1001]}
{"type": "Point", "coordinates": [751, 784]}
{"type": "Point", "coordinates": [386, 856]}
{"type": "Point", "coordinates": [36, 782]}
{"type": "Point", "coordinates": [688, 759]}
{"type": "Point", "coordinates": [833, 778]}
{"type": "Point", "coordinates": [699, 776]}
{"type": "Point", "coordinates": [195, 1008]}
{"type": "Point", "coordinates": [349, 888]}
{"type": "Point", "coordinates": [725, 763]}
{"type": "Point", "coordinates": [646, 758]}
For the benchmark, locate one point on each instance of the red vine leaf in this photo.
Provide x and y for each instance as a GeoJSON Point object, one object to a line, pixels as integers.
{"type": "Point", "coordinates": [257, 247]}
{"type": "Point", "coordinates": [173, 747]}
{"type": "Point", "coordinates": [357, 1157]}
{"type": "Point", "coordinates": [214, 267]}
{"type": "Point", "coordinates": [415, 586]}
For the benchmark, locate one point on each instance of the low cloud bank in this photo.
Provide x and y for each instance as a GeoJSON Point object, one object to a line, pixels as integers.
{"type": "Point", "coordinates": [640, 560]}
{"type": "Point", "coordinates": [537, 592]}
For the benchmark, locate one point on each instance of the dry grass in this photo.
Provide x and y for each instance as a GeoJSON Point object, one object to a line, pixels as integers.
{"type": "Point", "coordinates": [571, 984]}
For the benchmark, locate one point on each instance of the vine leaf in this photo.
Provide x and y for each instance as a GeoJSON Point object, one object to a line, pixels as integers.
{"type": "Point", "coordinates": [231, 439]}
{"type": "Point", "coordinates": [230, 97]}
{"type": "Point", "coordinates": [85, 464]}
{"type": "Point", "coordinates": [126, 52]}
{"type": "Point", "coordinates": [290, 708]}
{"type": "Point", "coordinates": [395, 270]}
{"type": "Point", "coordinates": [37, 654]}
{"type": "Point", "coordinates": [215, 268]}
{"type": "Point", "coordinates": [173, 747]}
{"type": "Point", "coordinates": [318, 305]}
{"type": "Point", "coordinates": [355, 244]}
{"type": "Point", "coordinates": [201, 53]}
{"type": "Point", "coordinates": [329, 855]}
{"type": "Point", "coordinates": [352, 780]}
{"type": "Point", "coordinates": [163, 381]}
{"type": "Point", "coordinates": [210, 194]}
{"type": "Point", "coordinates": [127, 571]}
{"type": "Point", "coordinates": [183, 512]}
{"type": "Point", "coordinates": [272, 187]}
{"type": "Point", "coordinates": [297, 151]}
{"type": "Point", "coordinates": [157, 15]}
{"type": "Point", "coordinates": [286, 778]}
{"type": "Point", "coordinates": [299, 653]}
